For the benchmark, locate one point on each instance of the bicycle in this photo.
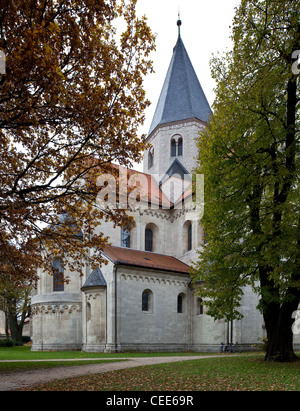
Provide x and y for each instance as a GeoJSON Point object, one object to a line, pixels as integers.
{"type": "Point", "coordinates": [229, 348]}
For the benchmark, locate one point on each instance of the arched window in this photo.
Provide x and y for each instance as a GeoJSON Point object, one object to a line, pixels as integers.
{"type": "Point", "coordinates": [147, 300]}
{"type": "Point", "coordinates": [151, 237]}
{"type": "Point", "coordinates": [58, 275]}
{"type": "Point", "coordinates": [180, 303]}
{"type": "Point", "coordinates": [189, 237]}
{"type": "Point", "coordinates": [199, 306]}
{"type": "Point", "coordinates": [125, 237]}
{"type": "Point", "coordinates": [180, 147]}
{"type": "Point", "coordinates": [88, 312]}
{"type": "Point", "coordinates": [173, 148]}
{"type": "Point", "coordinates": [148, 239]}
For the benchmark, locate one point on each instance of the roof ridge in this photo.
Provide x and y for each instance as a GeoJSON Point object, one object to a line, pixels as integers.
{"type": "Point", "coordinates": [142, 251]}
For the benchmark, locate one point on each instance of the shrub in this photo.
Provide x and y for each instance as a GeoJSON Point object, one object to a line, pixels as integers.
{"type": "Point", "coordinates": [7, 342]}
{"type": "Point", "coordinates": [263, 343]}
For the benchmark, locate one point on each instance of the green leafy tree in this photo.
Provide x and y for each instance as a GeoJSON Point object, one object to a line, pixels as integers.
{"type": "Point", "coordinates": [249, 155]}
{"type": "Point", "coordinates": [15, 302]}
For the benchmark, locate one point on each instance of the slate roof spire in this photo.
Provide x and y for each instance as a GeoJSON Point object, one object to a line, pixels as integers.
{"type": "Point", "coordinates": [182, 96]}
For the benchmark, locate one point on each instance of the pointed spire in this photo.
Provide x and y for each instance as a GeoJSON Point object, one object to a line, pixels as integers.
{"type": "Point", "coordinates": [182, 96]}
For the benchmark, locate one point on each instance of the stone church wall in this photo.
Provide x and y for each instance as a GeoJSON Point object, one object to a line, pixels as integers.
{"type": "Point", "coordinates": [57, 315]}
{"type": "Point", "coordinates": [160, 328]}
{"type": "Point", "coordinates": [250, 329]}
{"type": "Point", "coordinates": [207, 334]}
{"type": "Point", "coordinates": [94, 320]}
{"type": "Point", "coordinates": [56, 322]}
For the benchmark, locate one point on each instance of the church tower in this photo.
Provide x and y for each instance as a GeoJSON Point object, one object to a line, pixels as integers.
{"type": "Point", "coordinates": [142, 298]}
{"type": "Point", "coordinates": [181, 113]}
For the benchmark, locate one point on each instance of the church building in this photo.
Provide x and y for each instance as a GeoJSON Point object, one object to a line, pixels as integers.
{"type": "Point", "coordinates": [143, 298]}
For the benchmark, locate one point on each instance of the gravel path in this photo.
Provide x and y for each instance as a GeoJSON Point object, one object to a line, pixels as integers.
{"type": "Point", "coordinates": [13, 381]}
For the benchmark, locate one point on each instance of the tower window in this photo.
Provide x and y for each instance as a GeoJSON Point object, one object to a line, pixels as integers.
{"type": "Point", "coordinates": [148, 240]}
{"type": "Point", "coordinates": [176, 146]}
{"type": "Point", "coordinates": [180, 147]}
{"type": "Point", "coordinates": [173, 148]}
{"type": "Point", "coordinates": [125, 237]}
{"type": "Point", "coordinates": [189, 237]}
{"type": "Point", "coordinates": [187, 233]}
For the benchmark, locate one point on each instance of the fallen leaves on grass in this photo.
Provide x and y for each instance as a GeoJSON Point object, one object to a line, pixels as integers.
{"type": "Point", "coordinates": [224, 374]}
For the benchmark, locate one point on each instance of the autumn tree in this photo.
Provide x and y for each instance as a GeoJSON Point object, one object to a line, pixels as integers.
{"type": "Point", "coordinates": [249, 154]}
{"type": "Point", "coordinates": [71, 103]}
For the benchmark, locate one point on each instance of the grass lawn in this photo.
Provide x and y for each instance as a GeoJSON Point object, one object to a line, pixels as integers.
{"type": "Point", "coordinates": [245, 373]}
{"type": "Point", "coordinates": [242, 373]}
{"type": "Point", "coordinates": [25, 366]}
{"type": "Point", "coordinates": [24, 353]}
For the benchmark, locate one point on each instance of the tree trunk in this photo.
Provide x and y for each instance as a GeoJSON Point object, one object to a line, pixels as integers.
{"type": "Point", "coordinates": [279, 333]}
{"type": "Point", "coordinates": [19, 333]}
{"type": "Point", "coordinates": [12, 324]}
{"type": "Point", "coordinates": [16, 328]}
{"type": "Point", "coordinates": [6, 324]}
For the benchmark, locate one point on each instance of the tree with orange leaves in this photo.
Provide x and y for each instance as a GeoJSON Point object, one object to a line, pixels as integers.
{"type": "Point", "coordinates": [71, 102]}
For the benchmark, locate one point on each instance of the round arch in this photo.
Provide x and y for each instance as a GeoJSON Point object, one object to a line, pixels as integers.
{"type": "Point", "coordinates": [151, 237]}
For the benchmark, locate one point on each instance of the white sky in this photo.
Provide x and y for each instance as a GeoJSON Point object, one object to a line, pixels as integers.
{"type": "Point", "coordinates": [205, 31]}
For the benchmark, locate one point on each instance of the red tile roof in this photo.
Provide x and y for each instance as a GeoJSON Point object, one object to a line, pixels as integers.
{"type": "Point", "coordinates": [128, 256]}
{"type": "Point", "coordinates": [149, 190]}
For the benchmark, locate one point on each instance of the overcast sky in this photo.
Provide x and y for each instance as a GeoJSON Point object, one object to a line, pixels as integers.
{"type": "Point", "coordinates": [205, 30]}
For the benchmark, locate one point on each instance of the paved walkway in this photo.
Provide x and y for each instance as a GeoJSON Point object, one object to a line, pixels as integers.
{"type": "Point", "coordinates": [13, 381]}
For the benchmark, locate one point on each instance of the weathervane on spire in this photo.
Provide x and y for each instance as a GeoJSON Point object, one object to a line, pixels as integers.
{"type": "Point", "coordinates": [179, 22]}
